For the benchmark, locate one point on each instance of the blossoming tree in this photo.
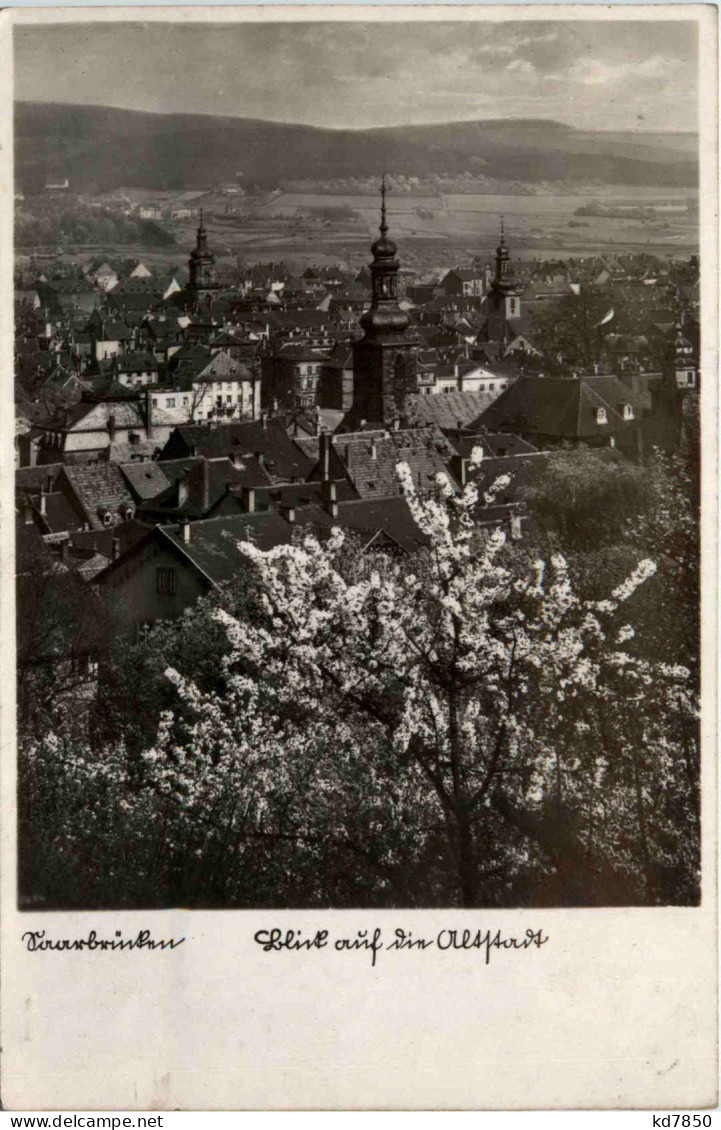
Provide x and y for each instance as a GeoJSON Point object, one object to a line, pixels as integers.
{"type": "Point", "coordinates": [445, 730]}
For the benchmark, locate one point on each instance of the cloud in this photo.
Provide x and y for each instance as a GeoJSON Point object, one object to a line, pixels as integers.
{"type": "Point", "coordinates": [597, 72]}
{"type": "Point", "coordinates": [521, 66]}
{"type": "Point", "coordinates": [372, 73]}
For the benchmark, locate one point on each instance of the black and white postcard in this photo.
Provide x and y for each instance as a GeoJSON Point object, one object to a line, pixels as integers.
{"type": "Point", "coordinates": [359, 475]}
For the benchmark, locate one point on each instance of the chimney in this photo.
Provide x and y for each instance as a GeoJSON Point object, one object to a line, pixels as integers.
{"type": "Point", "coordinates": [374, 449]}
{"type": "Point", "coordinates": [148, 414]}
{"type": "Point", "coordinates": [43, 504]}
{"type": "Point", "coordinates": [330, 498]}
{"type": "Point", "coordinates": [324, 446]}
{"type": "Point", "coordinates": [111, 427]}
{"type": "Point", "coordinates": [247, 495]}
{"type": "Point", "coordinates": [396, 423]}
{"type": "Point", "coordinates": [184, 531]}
{"type": "Point", "coordinates": [464, 472]}
{"type": "Point", "coordinates": [260, 456]}
{"type": "Point", "coordinates": [206, 486]}
{"type": "Point", "coordinates": [264, 420]}
{"type": "Point", "coordinates": [183, 489]}
{"type": "Point", "coordinates": [290, 514]}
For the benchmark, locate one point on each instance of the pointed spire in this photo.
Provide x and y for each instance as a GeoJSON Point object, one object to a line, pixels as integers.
{"type": "Point", "coordinates": [503, 232]}
{"type": "Point", "coordinates": [384, 225]}
{"type": "Point", "coordinates": [384, 314]}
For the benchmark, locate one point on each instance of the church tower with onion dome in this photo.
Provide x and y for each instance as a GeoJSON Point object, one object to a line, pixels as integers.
{"type": "Point", "coordinates": [384, 360]}
{"type": "Point", "coordinates": [201, 265]}
{"type": "Point", "coordinates": [504, 298]}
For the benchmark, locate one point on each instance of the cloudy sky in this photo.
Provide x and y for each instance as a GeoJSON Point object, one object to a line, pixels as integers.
{"type": "Point", "coordinates": [603, 75]}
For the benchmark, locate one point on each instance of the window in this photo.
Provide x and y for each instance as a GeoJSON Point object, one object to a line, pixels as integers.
{"type": "Point", "coordinates": [165, 581]}
{"type": "Point", "coordinates": [601, 417]}
{"type": "Point", "coordinates": [627, 412]}
{"type": "Point", "coordinates": [185, 401]}
{"type": "Point", "coordinates": [155, 402]}
{"type": "Point", "coordinates": [170, 402]}
{"type": "Point", "coordinates": [491, 386]}
{"type": "Point", "coordinates": [229, 400]}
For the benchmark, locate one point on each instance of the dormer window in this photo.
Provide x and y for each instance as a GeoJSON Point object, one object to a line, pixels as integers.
{"type": "Point", "coordinates": [628, 412]}
{"type": "Point", "coordinates": [601, 417]}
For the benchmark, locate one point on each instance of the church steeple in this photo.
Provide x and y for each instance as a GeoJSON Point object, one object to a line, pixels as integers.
{"type": "Point", "coordinates": [505, 279]}
{"type": "Point", "coordinates": [384, 360]}
{"type": "Point", "coordinates": [201, 265]}
{"type": "Point", "coordinates": [385, 315]}
{"type": "Point", "coordinates": [503, 305]}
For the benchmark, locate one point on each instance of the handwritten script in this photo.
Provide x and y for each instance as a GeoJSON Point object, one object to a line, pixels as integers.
{"type": "Point", "coordinates": [37, 941]}
{"type": "Point", "coordinates": [375, 941]}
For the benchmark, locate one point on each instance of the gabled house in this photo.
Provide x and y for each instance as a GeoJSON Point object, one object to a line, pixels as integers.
{"type": "Point", "coordinates": [105, 277]}
{"type": "Point", "coordinates": [86, 432]}
{"type": "Point", "coordinates": [466, 281]}
{"type": "Point", "coordinates": [551, 411]}
{"type": "Point", "coordinates": [266, 439]}
{"type": "Point", "coordinates": [172, 566]}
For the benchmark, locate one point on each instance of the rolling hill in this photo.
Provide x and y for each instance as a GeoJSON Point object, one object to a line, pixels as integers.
{"type": "Point", "coordinates": [101, 148]}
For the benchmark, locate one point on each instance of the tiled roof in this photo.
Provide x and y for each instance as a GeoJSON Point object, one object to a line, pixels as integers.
{"type": "Point", "coordinates": [206, 481]}
{"type": "Point", "coordinates": [31, 478]}
{"type": "Point", "coordinates": [370, 462]}
{"type": "Point", "coordinates": [92, 566]}
{"type": "Point", "coordinates": [137, 361]}
{"type": "Point", "coordinates": [213, 543]}
{"type": "Point", "coordinates": [128, 452]}
{"type": "Point", "coordinates": [101, 541]}
{"type": "Point", "coordinates": [246, 470]}
{"type": "Point", "coordinates": [523, 470]}
{"type": "Point", "coordinates": [446, 410]}
{"type": "Point", "coordinates": [70, 286]}
{"type": "Point", "coordinates": [127, 414]}
{"type": "Point", "coordinates": [306, 494]}
{"type": "Point", "coordinates": [493, 444]}
{"type": "Point", "coordinates": [60, 514]}
{"type": "Point", "coordinates": [212, 546]}
{"type": "Point", "coordinates": [300, 351]}
{"type": "Point", "coordinates": [99, 486]}
{"type": "Point", "coordinates": [284, 459]}
{"type": "Point", "coordinates": [109, 330]}
{"type": "Point", "coordinates": [146, 479]}
{"type": "Point", "coordinates": [222, 366]}
{"type": "Point", "coordinates": [466, 274]}
{"type": "Point", "coordinates": [559, 407]}
{"type": "Point", "coordinates": [390, 516]}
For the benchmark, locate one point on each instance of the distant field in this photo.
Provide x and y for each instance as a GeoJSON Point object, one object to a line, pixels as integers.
{"type": "Point", "coordinates": [433, 230]}
{"type": "Point", "coordinates": [533, 223]}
